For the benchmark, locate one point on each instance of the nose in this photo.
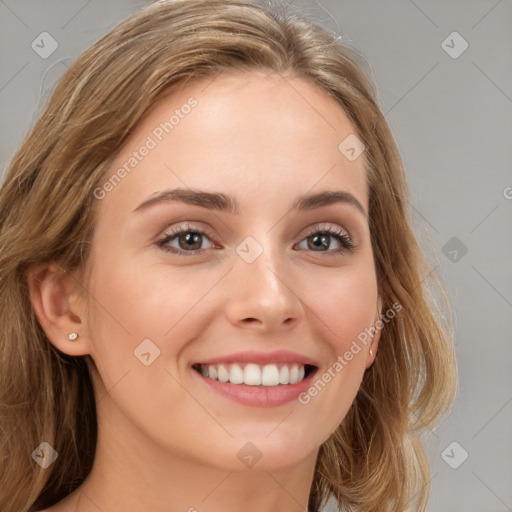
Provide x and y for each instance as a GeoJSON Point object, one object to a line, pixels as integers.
{"type": "Point", "coordinates": [263, 295]}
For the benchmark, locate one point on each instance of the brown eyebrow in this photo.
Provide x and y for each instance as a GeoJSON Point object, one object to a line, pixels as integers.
{"type": "Point", "coordinates": [222, 202]}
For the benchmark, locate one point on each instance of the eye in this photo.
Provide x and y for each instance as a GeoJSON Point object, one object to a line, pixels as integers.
{"type": "Point", "coordinates": [320, 238]}
{"type": "Point", "coordinates": [187, 238]}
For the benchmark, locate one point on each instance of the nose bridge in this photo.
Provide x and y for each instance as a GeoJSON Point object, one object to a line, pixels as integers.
{"type": "Point", "coordinates": [262, 262]}
{"type": "Point", "coordinates": [262, 287]}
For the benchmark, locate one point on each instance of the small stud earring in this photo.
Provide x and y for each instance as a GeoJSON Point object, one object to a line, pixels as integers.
{"type": "Point", "coordinates": [72, 336]}
{"type": "Point", "coordinates": [371, 352]}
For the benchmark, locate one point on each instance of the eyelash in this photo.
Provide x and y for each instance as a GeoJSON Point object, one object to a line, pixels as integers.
{"type": "Point", "coordinates": [339, 234]}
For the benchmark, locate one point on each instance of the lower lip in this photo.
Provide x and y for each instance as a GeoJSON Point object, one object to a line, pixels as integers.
{"type": "Point", "coordinates": [258, 396]}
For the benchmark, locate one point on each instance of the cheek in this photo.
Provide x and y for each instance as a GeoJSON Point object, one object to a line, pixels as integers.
{"type": "Point", "coordinates": [345, 302]}
{"type": "Point", "coordinates": [132, 302]}
{"type": "Point", "coordinates": [345, 305]}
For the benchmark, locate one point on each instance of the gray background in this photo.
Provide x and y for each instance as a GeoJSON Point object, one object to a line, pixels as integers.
{"type": "Point", "coordinates": [452, 119]}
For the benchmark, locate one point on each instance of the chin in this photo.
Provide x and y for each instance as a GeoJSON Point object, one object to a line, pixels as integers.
{"type": "Point", "coordinates": [264, 454]}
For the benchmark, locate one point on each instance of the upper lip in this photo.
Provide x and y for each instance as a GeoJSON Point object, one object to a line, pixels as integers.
{"type": "Point", "coordinates": [259, 357]}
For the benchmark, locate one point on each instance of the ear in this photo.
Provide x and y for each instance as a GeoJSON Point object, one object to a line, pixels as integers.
{"type": "Point", "coordinates": [374, 344]}
{"type": "Point", "coordinates": [56, 299]}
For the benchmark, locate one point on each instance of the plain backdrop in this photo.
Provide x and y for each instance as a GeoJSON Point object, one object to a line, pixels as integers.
{"type": "Point", "coordinates": [443, 71]}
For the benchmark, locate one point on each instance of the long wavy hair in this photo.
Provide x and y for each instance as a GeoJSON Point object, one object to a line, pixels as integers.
{"type": "Point", "coordinates": [375, 460]}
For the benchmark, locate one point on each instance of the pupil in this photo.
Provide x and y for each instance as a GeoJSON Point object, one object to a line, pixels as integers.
{"type": "Point", "coordinates": [191, 237]}
{"type": "Point", "coordinates": [322, 239]}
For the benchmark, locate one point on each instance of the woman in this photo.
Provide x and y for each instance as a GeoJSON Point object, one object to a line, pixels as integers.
{"type": "Point", "coordinates": [211, 295]}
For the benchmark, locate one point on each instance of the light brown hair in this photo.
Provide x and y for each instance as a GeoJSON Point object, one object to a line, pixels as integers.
{"type": "Point", "coordinates": [375, 460]}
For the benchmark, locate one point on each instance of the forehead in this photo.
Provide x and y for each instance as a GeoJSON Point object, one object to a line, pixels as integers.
{"type": "Point", "coordinates": [253, 135]}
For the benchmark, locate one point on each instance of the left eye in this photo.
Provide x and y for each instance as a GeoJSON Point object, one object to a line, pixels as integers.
{"type": "Point", "coordinates": [320, 238]}
{"type": "Point", "coordinates": [188, 238]}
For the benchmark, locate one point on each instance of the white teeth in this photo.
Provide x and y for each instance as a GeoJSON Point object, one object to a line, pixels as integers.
{"type": "Point", "coordinates": [252, 374]}
{"type": "Point", "coordinates": [223, 373]}
{"type": "Point", "coordinates": [270, 375]}
{"type": "Point", "coordinates": [284, 375]}
{"type": "Point", "coordinates": [294, 374]}
{"type": "Point", "coordinates": [236, 374]}
{"type": "Point", "coordinates": [212, 372]}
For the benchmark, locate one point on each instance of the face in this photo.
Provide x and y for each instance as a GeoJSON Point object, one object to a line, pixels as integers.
{"type": "Point", "coordinates": [246, 285]}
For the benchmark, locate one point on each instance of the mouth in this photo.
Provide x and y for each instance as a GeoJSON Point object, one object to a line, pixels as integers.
{"type": "Point", "coordinates": [253, 374]}
{"type": "Point", "coordinates": [257, 378]}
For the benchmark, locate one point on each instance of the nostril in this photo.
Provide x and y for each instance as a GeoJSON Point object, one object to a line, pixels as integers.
{"type": "Point", "coordinates": [251, 320]}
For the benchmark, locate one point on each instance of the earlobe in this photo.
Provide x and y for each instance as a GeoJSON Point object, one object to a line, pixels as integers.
{"type": "Point", "coordinates": [372, 352]}
{"type": "Point", "coordinates": [53, 294]}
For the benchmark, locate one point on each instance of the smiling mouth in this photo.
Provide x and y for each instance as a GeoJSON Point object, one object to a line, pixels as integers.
{"type": "Point", "coordinates": [252, 374]}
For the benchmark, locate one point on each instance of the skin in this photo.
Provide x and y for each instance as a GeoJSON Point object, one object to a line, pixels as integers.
{"type": "Point", "coordinates": [166, 442]}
